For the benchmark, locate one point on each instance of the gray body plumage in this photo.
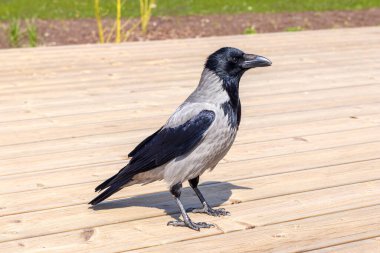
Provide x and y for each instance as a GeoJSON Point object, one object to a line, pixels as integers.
{"type": "Point", "coordinates": [216, 142]}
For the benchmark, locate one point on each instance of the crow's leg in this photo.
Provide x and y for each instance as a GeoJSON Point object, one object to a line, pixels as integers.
{"type": "Point", "coordinates": [206, 207]}
{"type": "Point", "coordinates": [176, 191]}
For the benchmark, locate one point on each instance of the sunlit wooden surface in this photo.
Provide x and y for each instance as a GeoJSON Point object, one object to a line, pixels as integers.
{"type": "Point", "coordinates": [303, 174]}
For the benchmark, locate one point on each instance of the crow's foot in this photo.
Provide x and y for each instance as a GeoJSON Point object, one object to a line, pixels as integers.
{"type": "Point", "coordinates": [193, 225]}
{"type": "Point", "coordinates": [210, 211]}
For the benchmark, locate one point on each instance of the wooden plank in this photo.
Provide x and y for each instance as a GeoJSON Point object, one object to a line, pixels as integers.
{"type": "Point", "coordinates": [60, 135]}
{"type": "Point", "coordinates": [245, 148]}
{"type": "Point", "coordinates": [111, 86]}
{"type": "Point", "coordinates": [276, 209]}
{"type": "Point", "coordinates": [143, 96]}
{"type": "Point", "coordinates": [364, 246]}
{"type": "Point", "coordinates": [188, 46]}
{"type": "Point", "coordinates": [253, 167]}
{"type": "Point", "coordinates": [119, 118]}
{"type": "Point", "coordinates": [92, 79]}
{"type": "Point", "coordinates": [107, 103]}
{"type": "Point", "coordinates": [250, 88]}
{"type": "Point", "coordinates": [247, 151]}
{"type": "Point", "coordinates": [21, 202]}
{"type": "Point", "coordinates": [265, 134]}
{"type": "Point", "coordinates": [254, 78]}
{"type": "Point", "coordinates": [92, 61]}
{"type": "Point", "coordinates": [283, 103]}
{"type": "Point", "coordinates": [249, 123]}
{"type": "Point", "coordinates": [86, 78]}
{"type": "Point", "coordinates": [188, 77]}
{"type": "Point", "coordinates": [171, 69]}
{"type": "Point", "coordinates": [114, 150]}
{"type": "Point", "coordinates": [260, 41]}
{"type": "Point", "coordinates": [181, 78]}
{"type": "Point", "coordinates": [299, 235]}
{"type": "Point", "coordinates": [258, 110]}
{"type": "Point", "coordinates": [259, 215]}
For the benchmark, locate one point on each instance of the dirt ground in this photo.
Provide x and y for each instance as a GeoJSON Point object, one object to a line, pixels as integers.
{"type": "Point", "coordinates": [64, 32]}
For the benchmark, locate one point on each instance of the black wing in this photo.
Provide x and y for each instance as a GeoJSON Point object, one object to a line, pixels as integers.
{"type": "Point", "coordinates": [158, 149]}
{"type": "Point", "coordinates": [142, 144]}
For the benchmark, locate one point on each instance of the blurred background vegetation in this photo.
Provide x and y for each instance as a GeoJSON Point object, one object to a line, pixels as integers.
{"type": "Point", "coordinates": [73, 9]}
{"type": "Point", "coordinates": [60, 22]}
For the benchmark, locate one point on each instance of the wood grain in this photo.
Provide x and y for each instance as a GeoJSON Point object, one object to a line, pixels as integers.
{"type": "Point", "coordinates": [303, 175]}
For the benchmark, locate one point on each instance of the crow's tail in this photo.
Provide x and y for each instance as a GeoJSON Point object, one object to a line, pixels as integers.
{"type": "Point", "coordinates": [104, 195]}
{"type": "Point", "coordinates": [105, 184]}
{"type": "Point", "coordinates": [113, 185]}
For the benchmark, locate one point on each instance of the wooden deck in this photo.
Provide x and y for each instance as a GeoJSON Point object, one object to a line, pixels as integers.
{"type": "Point", "coordinates": [303, 174]}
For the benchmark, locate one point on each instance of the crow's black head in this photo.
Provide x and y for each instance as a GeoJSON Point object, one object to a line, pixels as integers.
{"type": "Point", "coordinates": [232, 62]}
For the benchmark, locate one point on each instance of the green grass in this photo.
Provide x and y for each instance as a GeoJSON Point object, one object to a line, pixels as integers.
{"type": "Point", "coordinates": [250, 30]}
{"type": "Point", "coordinates": [294, 29]}
{"type": "Point", "coordinates": [31, 32]}
{"type": "Point", "coordinates": [14, 33]}
{"type": "Point", "coordinates": [64, 9]}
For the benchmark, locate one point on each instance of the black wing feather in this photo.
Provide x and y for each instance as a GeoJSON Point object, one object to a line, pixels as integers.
{"type": "Point", "coordinates": [142, 144]}
{"type": "Point", "coordinates": [158, 149]}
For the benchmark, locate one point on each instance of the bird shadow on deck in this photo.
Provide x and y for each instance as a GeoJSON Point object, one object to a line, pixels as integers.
{"type": "Point", "coordinates": [215, 192]}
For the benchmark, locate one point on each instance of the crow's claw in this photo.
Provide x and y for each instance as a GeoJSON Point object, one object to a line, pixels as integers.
{"type": "Point", "coordinates": [210, 211]}
{"type": "Point", "coordinates": [193, 225]}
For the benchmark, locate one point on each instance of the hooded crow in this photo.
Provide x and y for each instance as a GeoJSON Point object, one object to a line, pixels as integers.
{"type": "Point", "coordinates": [195, 138]}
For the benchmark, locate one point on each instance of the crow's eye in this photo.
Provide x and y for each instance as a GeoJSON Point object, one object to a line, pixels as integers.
{"type": "Point", "coordinates": [234, 59]}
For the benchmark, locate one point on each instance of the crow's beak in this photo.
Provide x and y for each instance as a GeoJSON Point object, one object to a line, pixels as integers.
{"type": "Point", "coordinates": [254, 61]}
